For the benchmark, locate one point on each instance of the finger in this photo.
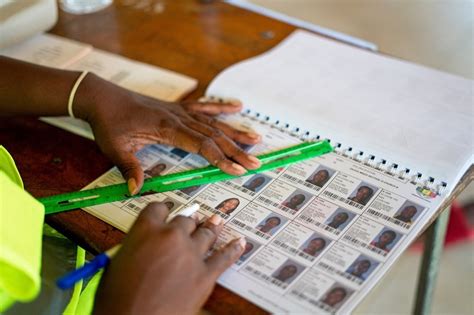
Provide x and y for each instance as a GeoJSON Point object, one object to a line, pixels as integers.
{"type": "Point", "coordinates": [187, 224]}
{"type": "Point", "coordinates": [206, 234]}
{"type": "Point", "coordinates": [154, 213]}
{"type": "Point", "coordinates": [195, 142]}
{"type": "Point", "coordinates": [227, 146]}
{"type": "Point", "coordinates": [130, 168]}
{"type": "Point", "coordinates": [223, 258]}
{"type": "Point", "coordinates": [245, 137]}
{"type": "Point", "coordinates": [213, 107]}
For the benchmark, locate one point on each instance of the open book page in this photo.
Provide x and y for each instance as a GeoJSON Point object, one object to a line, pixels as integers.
{"type": "Point", "coordinates": [321, 233]}
{"type": "Point", "coordinates": [48, 50]}
{"type": "Point", "coordinates": [414, 116]}
{"type": "Point", "coordinates": [58, 52]}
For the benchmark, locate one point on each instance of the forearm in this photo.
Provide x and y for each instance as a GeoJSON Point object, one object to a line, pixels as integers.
{"type": "Point", "coordinates": [29, 89]}
{"type": "Point", "coordinates": [123, 121]}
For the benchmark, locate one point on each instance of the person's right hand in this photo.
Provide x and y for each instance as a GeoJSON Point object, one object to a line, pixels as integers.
{"type": "Point", "coordinates": [124, 122]}
{"type": "Point", "coordinates": [164, 268]}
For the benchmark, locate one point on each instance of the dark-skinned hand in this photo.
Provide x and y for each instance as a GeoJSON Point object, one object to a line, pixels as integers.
{"type": "Point", "coordinates": [124, 122]}
{"type": "Point", "coordinates": [164, 268]}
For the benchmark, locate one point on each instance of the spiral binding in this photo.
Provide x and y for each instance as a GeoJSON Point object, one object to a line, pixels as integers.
{"type": "Point", "coordinates": [416, 178]}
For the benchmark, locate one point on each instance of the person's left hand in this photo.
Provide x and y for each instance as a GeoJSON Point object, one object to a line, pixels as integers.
{"type": "Point", "coordinates": [165, 268]}
{"type": "Point", "coordinates": [123, 122]}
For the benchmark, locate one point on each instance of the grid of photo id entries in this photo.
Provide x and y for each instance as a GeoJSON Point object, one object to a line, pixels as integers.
{"type": "Point", "coordinates": [314, 234]}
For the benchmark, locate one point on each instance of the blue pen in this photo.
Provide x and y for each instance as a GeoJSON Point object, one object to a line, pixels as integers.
{"type": "Point", "coordinates": [102, 260]}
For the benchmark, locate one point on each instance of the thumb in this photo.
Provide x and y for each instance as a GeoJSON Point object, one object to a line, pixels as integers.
{"type": "Point", "coordinates": [131, 170]}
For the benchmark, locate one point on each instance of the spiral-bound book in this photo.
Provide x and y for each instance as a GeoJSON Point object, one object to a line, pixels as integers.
{"type": "Point", "coordinates": [320, 234]}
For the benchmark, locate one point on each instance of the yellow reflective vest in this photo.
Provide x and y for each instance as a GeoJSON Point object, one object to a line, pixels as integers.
{"type": "Point", "coordinates": [21, 227]}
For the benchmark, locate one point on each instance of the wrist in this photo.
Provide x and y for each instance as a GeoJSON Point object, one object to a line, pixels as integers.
{"type": "Point", "coordinates": [88, 96]}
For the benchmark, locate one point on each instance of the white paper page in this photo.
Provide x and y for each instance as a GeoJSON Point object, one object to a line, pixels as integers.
{"type": "Point", "coordinates": [407, 114]}
{"type": "Point", "coordinates": [48, 50]}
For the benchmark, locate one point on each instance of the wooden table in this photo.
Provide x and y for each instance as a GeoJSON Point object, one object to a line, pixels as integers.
{"type": "Point", "coordinates": [196, 38]}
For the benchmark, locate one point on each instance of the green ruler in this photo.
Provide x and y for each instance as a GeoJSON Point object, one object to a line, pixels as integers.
{"type": "Point", "coordinates": [201, 176]}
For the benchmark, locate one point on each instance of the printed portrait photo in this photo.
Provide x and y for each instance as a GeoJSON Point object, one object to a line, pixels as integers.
{"type": "Point", "coordinates": [191, 191]}
{"type": "Point", "coordinates": [386, 239]}
{"type": "Point", "coordinates": [228, 205]}
{"type": "Point", "coordinates": [336, 296]}
{"type": "Point", "coordinates": [363, 193]}
{"type": "Point", "coordinates": [340, 219]}
{"type": "Point", "coordinates": [181, 153]}
{"type": "Point", "coordinates": [288, 271]}
{"type": "Point", "coordinates": [257, 182]}
{"type": "Point", "coordinates": [250, 247]}
{"type": "Point", "coordinates": [297, 200]}
{"type": "Point", "coordinates": [315, 244]}
{"type": "Point", "coordinates": [157, 169]}
{"type": "Point", "coordinates": [362, 267]}
{"type": "Point", "coordinates": [408, 212]}
{"type": "Point", "coordinates": [320, 176]}
{"type": "Point", "coordinates": [272, 223]}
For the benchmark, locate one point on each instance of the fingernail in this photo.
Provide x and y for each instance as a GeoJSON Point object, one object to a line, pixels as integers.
{"type": "Point", "coordinates": [254, 160]}
{"type": "Point", "coordinates": [215, 220]}
{"type": "Point", "coordinates": [253, 136]}
{"type": "Point", "coordinates": [132, 186]}
{"type": "Point", "coordinates": [242, 242]}
{"type": "Point", "coordinates": [234, 102]}
{"type": "Point", "coordinates": [239, 169]}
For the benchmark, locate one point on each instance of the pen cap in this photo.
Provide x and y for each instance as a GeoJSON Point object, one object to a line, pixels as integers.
{"type": "Point", "coordinates": [88, 270]}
